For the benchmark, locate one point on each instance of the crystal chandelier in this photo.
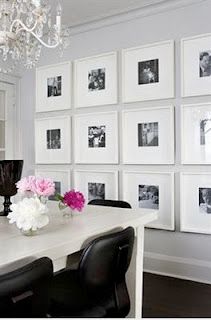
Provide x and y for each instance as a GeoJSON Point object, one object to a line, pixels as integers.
{"type": "Point", "coordinates": [26, 26]}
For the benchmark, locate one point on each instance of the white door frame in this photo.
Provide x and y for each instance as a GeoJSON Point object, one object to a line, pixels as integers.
{"type": "Point", "coordinates": [15, 80]}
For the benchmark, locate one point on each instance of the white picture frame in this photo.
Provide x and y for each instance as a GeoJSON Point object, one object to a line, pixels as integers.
{"type": "Point", "coordinates": [195, 133]}
{"type": "Point", "coordinates": [148, 72]}
{"type": "Point", "coordinates": [195, 213]}
{"type": "Point", "coordinates": [196, 81]}
{"type": "Point", "coordinates": [53, 87]}
{"type": "Point", "coordinates": [96, 138]}
{"type": "Point", "coordinates": [61, 178]}
{"type": "Point", "coordinates": [159, 187]}
{"type": "Point", "coordinates": [95, 80]}
{"type": "Point", "coordinates": [97, 184]}
{"type": "Point", "coordinates": [53, 140]}
{"type": "Point", "coordinates": [148, 135]}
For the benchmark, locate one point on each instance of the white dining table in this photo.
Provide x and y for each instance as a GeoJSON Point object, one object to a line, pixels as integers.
{"type": "Point", "coordinates": [63, 236]}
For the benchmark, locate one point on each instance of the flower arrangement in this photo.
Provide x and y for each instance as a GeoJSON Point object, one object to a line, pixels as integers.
{"type": "Point", "coordinates": [73, 199]}
{"type": "Point", "coordinates": [40, 187]}
{"type": "Point", "coordinates": [29, 214]}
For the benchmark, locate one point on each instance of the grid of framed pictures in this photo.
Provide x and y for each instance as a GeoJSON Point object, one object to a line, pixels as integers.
{"type": "Point", "coordinates": [95, 80]}
{"type": "Point", "coordinates": [146, 134]}
{"type": "Point", "coordinates": [97, 184]}
{"type": "Point", "coordinates": [52, 140]}
{"type": "Point", "coordinates": [195, 202]}
{"type": "Point", "coordinates": [53, 87]}
{"type": "Point", "coordinates": [151, 190]}
{"type": "Point", "coordinates": [60, 177]}
{"type": "Point", "coordinates": [148, 72]}
{"type": "Point", "coordinates": [196, 133]}
{"type": "Point", "coordinates": [196, 65]}
{"type": "Point", "coordinates": [151, 136]}
{"type": "Point", "coordinates": [96, 138]}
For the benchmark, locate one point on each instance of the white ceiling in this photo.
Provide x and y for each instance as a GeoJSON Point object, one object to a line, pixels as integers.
{"type": "Point", "coordinates": [77, 12]}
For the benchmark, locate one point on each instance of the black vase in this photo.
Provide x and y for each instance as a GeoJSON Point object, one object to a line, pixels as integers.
{"type": "Point", "coordinates": [10, 173]}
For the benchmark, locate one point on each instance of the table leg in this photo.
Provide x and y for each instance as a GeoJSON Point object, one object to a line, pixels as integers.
{"type": "Point", "coordinates": [135, 275]}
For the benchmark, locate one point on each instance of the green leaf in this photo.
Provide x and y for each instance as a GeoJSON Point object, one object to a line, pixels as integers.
{"type": "Point", "coordinates": [59, 197]}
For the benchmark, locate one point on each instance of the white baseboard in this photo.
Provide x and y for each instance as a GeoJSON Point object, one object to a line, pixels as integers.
{"type": "Point", "coordinates": [178, 267]}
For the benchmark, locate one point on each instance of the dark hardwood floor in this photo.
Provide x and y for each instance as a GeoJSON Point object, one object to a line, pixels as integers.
{"type": "Point", "coordinates": [166, 297]}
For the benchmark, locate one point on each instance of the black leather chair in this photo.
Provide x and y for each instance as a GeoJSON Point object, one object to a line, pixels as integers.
{"type": "Point", "coordinates": [73, 259]}
{"type": "Point", "coordinates": [24, 292]}
{"type": "Point", "coordinates": [97, 289]}
{"type": "Point", "coordinates": [110, 203]}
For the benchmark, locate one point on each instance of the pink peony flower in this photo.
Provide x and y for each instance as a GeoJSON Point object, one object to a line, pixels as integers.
{"type": "Point", "coordinates": [44, 187]}
{"type": "Point", "coordinates": [74, 199]}
{"type": "Point", "coordinates": [26, 184]}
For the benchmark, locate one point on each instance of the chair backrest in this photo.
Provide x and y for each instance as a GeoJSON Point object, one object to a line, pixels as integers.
{"type": "Point", "coordinates": [105, 261]}
{"type": "Point", "coordinates": [24, 292]}
{"type": "Point", "coordinates": [110, 203]}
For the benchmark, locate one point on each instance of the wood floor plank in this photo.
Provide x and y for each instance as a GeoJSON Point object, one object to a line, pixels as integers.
{"type": "Point", "coordinates": [166, 297]}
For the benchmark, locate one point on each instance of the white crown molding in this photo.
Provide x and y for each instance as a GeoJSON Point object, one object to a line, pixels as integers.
{"type": "Point", "coordinates": [177, 267]}
{"type": "Point", "coordinates": [158, 7]}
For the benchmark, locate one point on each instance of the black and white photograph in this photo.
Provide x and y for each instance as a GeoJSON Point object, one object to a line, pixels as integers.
{"type": "Point", "coordinates": [96, 191]}
{"type": "Point", "coordinates": [54, 139]}
{"type": "Point", "coordinates": [148, 71]}
{"type": "Point", "coordinates": [205, 200]}
{"type": "Point", "coordinates": [148, 134]}
{"type": "Point", "coordinates": [205, 132]}
{"type": "Point", "coordinates": [148, 197]}
{"type": "Point", "coordinates": [96, 79]}
{"type": "Point", "coordinates": [57, 190]}
{"type": "Point", "coordinates": [54, 86]}
{"type": "Point", "coordinates": [97, 137]}
{"type": "Point", "coordinates": [205, 64]}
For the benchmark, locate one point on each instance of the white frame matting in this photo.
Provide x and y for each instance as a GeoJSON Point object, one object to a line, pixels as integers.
{"type": "Point", "coordinates": [107, 94]}
{"type": "Point", "coordinates": [194, 216]}
{"type": "Point", "coordinates": [62, 155]}
{"type": "Point", "coordinates": [163, 87]}
{"type": "Point", "coordinates": [165, 183]}
{"type": "Point", "coordinates": [196, 133]}
{"type": "Point", "coordinates": [86, 154]}
{"type": "Point", "coordinates": [193, 83]}
{"type": "Point", "coordinates": [132, 123]}
{"type": "Point", "coordinates": [108, 178]}
{"type": "Point", "coordinates": [45, 103]}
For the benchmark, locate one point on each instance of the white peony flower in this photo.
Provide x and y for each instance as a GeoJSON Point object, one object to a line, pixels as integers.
{"type": "Point", "coordinates": [29, 214]}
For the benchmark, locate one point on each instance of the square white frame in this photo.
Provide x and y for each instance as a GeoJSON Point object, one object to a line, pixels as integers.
{"type": "Point", "coordinates": [166, 195]}
{"type": "Point", "coordinates": [161, 154]}
{"type": "Point", "coordinates": [54, 156]}
{"type": "Point", "coordinates": [63, 176]}
{"type": "Point", "coordinates": [110, 178]}
{"type": "Point", "coordinates": [192, 83]}
{"type": "Point", "coordinates": [164, 89]}
{"type": "Point", "coordinates": [191, 150]}
{"type": "Point", "coordinates": [45, 103]}
{"type": "Point", "coordinates": [107, 96]}
{"type": "Point", "coordinates": [190, 221]}
{"type": "Point", "coordinates": [84, 154]}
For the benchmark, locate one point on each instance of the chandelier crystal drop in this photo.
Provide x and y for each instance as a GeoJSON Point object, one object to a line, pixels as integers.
{"type": "Point", "coordinates": [26, 26]}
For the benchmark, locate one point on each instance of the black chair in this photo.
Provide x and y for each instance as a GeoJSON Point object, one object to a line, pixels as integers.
{"type": "Point", "coordinates": [24, 292]}
{"type": "Point", "coordinates": [73, 259]}
{"type": "Point", "coordinates": [97, 289]}
{"type": "Point", "coordinates": [110, 203]}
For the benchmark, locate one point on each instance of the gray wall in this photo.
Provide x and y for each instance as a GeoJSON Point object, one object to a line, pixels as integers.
{"type": "Point", "coordinates": [181, 254]}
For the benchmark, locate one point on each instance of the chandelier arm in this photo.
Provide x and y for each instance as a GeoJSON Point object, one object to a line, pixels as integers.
{"type": "Point", "coordinates": [31, 31]}
{"type": "Point", "coordinates": [24, 27]}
